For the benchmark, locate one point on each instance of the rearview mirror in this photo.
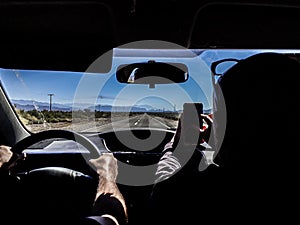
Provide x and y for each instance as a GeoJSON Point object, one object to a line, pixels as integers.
{"type": "Point", "coordinates": [152, 73]}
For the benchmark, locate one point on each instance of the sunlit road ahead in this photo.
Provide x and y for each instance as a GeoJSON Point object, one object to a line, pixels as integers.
{"type": "Point", "coordinates": [143, 121]}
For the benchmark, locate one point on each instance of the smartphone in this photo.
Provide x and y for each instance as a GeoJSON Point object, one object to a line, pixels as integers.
{"type": "Point", "coordinates": [191, 122]}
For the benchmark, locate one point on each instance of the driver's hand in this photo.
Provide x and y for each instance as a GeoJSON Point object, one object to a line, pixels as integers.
{"type": "Point", "coordinates": [106, 166]}
{"type": "Point", "coordinates": [194, 129]}
{"type": "Point", "coordinates": [5, 154]}
{"type": "Point", "coordinates": [205, 132]}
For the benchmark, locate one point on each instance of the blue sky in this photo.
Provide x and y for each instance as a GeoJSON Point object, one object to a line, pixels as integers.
{"type": "Point", "coordinates": [69, 87]}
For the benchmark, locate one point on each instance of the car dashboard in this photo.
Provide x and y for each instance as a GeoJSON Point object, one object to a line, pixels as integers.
{"type": "Point", "coordinates": [67, 153]}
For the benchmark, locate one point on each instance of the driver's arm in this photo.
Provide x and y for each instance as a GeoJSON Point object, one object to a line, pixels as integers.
{"type": "Point", "coordinates": [109, 202]}
{"type": "Point", "coordinates": [5, 154]}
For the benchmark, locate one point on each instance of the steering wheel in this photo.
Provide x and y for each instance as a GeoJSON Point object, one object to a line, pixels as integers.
{"type": "Point", "coordinates": [20, 146]}
{"type": "Point", "coordinates": [48, 186]}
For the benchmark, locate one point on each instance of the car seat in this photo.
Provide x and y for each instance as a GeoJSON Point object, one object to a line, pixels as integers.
{"type": "Point", "coordinates": [260, 95]}
{"type": "Point", "coordinates": [258, 159]}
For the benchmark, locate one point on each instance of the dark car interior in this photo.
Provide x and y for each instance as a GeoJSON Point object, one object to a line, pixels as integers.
{"type": "Point", "coordinates": [69, 35]}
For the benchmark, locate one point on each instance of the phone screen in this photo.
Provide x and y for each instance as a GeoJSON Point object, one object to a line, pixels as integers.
{"type": "Point", "coordinates": [192, 122]}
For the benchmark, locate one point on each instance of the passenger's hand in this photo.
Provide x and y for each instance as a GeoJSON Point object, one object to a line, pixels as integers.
{"type": "Point", "coordinates": [5, 154]}
{"type": "Point", "coordinates": [106, 166]}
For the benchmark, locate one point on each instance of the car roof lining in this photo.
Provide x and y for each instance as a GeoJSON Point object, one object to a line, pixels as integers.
{"type": "Point", "coordinates": [248, 26]}
{"type": "Point", "coordinates": [70, 35]}
{"type": "Point", "coordinates": [55, 36]}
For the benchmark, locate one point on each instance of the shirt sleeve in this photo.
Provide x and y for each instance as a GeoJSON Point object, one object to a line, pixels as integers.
{"type": "Point", "coordinates": [106, 204]}
{"type": "Point", "coordinates": [99, 220]}
{"type": "Point", "coordinates": [167, 166]}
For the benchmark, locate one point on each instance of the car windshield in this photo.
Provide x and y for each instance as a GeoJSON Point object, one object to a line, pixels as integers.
{"type": "Point", "coordinates": [97, 102]}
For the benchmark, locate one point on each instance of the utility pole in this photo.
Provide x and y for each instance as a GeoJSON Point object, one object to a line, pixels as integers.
{"type": "Point", "coordinates": [50, 105]}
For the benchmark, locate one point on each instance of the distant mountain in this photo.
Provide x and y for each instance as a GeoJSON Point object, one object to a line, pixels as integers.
{"type": "Point", "coordinates": [207, 111]}
{"type": "Point", "coordinates": [147, 107]}
{"type": "Point", "coordinates": [135, 108]}
{"type": "Point", "coordinates": [27, 105]}
{"type": "Point", "coordinates": [109, 108]}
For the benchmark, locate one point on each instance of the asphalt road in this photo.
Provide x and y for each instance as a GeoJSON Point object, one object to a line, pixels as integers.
{"type": "Point", "coordinates": [139, 121]}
